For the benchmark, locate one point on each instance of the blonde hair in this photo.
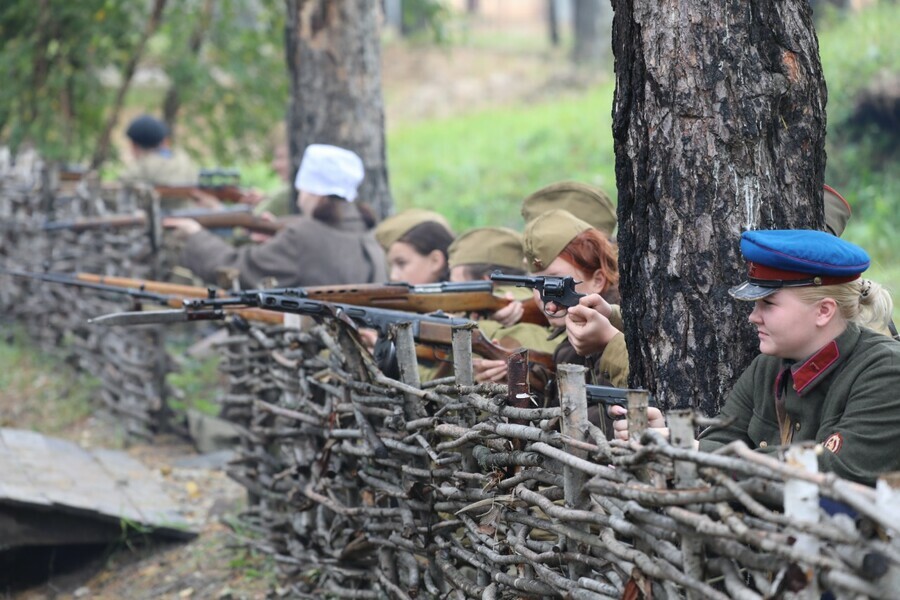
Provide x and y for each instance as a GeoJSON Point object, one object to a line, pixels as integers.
{"type": "Point", "coordinates": [861, 301]}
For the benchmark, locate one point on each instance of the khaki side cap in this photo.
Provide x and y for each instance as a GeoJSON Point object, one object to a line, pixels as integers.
{"type": "Point", "coordinates": [548, 235]}
{"type": "Point", "coordinates": [588, 203]}
{"type": "Point", "coordinates": [395, 227]}
{"type": "Point", "coordinates": [488, 245]}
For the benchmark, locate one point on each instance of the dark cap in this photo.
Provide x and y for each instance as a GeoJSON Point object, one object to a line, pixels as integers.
{"type": "Point", "coordinates": [147, 132]}
{"type": "Point", "coordinates": [796, 258]}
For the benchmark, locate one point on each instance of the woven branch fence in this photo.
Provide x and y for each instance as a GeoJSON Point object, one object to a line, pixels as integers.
{"type": "Point", "coordinates": [131, 363]}
{"type": "Point", "coordinates": [368, 487]}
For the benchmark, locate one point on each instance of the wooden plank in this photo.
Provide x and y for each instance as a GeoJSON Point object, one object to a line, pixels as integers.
{"type": "Point", "coordinates": [51, 474]}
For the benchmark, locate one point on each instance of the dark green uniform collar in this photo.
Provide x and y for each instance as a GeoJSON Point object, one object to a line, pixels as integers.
{"type": "Point", "coordinates": [808, 373]}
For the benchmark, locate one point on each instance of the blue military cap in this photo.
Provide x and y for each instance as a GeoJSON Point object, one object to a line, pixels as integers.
{"type": "Point", "coordinates": [796, 258]}
{"type": "Point", "coordinates": [147, 131]}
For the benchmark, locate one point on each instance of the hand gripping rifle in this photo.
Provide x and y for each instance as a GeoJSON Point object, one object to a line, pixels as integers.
{"type": "Point", "coordinates": [559, 290]}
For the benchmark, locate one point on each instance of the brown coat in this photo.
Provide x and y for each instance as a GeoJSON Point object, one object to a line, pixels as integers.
{"type": "Point", "coordinates": [307, 252]}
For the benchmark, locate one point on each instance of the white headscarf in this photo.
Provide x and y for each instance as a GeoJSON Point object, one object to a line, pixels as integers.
{"type": "Point", "coordinates": [328, 170]}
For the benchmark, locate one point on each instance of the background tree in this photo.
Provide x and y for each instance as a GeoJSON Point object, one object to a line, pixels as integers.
{"type": "Point", "coordinates": [52, 57]}
{"type": "Point", "coordinates": [591, 25]}
{"type": "Point", "coordinates": [334, 59]}
{"type": "Point", "coordinates": [719, 127]}
{"type": "Point", "coordinates": [67, 66]}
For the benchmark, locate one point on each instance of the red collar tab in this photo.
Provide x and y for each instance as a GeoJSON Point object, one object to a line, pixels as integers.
{"type": "Point", "coordinates": [814, 366]}
{"type": "Point", "coordinates": [772, 277]}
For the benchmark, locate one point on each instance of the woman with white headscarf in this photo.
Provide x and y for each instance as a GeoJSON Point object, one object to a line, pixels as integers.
{"type": "Point", "coordinates": [331, 242]}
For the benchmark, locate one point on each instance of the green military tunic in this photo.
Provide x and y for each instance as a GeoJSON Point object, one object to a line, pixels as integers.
{"type": "Point", "coordinates": [279, 204]}
{"type": "Point", "coordinates": [846, 397]}
{"type": "Point", "coordinates": [306, 252]}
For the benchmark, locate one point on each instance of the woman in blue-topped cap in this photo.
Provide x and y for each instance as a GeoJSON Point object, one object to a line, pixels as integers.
{"type": "Point", "coordinates": [823, 375]}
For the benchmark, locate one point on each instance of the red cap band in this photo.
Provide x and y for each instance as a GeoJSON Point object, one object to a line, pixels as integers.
{"type": "Point", "coordinates": [759, 274]}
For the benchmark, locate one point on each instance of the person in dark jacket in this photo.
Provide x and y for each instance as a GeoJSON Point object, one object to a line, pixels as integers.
{"type": "Point", "coordinates": [823, 375]}
{"type": "Point", "coordinates": [330, 243]}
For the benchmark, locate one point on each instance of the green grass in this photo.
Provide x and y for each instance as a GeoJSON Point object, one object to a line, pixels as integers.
{"type": "Point", "coordinates": [862, 165]}
{"type": "Point", "coordinates": [200, 381]}
{"type": "Point", "coordinates": [39, 391]}
{"type": "Point", "coordinates": [477, 168]}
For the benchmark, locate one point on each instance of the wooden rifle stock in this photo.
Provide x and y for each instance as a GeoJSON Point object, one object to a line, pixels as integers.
{"type": "Point", "coordinates": [246, 220]}
{"type": "Point", "coordinates": [212, 220]}
{"type": "Point", "coordinates": [389, 296]}
{"type": "Point", "coordinates": [409, 298]}
{"type": "Point", "coordinates": [486, 349]}
{"type": "Point", "coordinates": [257, 315]}
{"type": "Point", "coordinates": [225, 193]}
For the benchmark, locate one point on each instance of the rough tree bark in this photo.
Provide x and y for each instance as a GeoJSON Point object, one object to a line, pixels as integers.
{"type": "Point", "coordinates": [334, 58]}
{"type": "Point", "coordinates": [719, 127]}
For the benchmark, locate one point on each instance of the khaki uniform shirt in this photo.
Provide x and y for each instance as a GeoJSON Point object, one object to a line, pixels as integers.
{"type": "Point", "coordinates": [171, 167]}
{"type": "Point", "coordinates": [846, 397]}
{"type": "Point", "coordinates": [279, 204]}
{"type": "Point", "coordinates": [162, 168]}
{"type": "Point", "coordinates": [306, 252]}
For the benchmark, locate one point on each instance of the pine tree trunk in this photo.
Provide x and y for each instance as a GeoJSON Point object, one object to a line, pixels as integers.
{"type": "Point", "coordinates": [719, 127]}
{"type": "Point", "coordinates": [334, 58]}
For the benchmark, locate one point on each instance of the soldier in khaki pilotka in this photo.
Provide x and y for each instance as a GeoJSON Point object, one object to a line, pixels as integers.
{"type": "Point", "coordinates": [560, 244]}
{"type": "Point", "coordinates": [415, 242]}
{"type": "Point", "coordinates": [590, 204]}
{"type": "Point", "coordinates": [473, 256]}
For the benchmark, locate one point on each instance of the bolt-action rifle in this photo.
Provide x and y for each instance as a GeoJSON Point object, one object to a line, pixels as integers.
{"type": "Point", "coordinates": [223, 184]}
{"type": "Point", "coordinates": [197, 303]}
{"type": "Point", "coordinates": [238, 216]}
{"type": "Point", "coordinates": [559, 290]}
{"type": "Point", "coordinates": [464, 297]}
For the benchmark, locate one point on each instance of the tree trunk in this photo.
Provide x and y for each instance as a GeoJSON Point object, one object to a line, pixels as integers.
{"type": "Point", "coordinates": [150, 27]}
{"type": "Point", "coordinates": [172, 101]}
{"type": "Point", "coordinates": [553, 23]}
{"type": "Point", "coordinates": [719, 127]}
{"type": "Point", "coordinates": [334, 58]}
{"type": "Point", "coordinates": [591, 25]}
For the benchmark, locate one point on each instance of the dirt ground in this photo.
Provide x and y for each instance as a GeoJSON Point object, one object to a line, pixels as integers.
{"type": "Point", "coordinates": [419, 83]}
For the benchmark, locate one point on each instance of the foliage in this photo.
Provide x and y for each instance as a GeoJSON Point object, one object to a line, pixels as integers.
{"type": "Point", "coordinates": [51, 57]}
{"type": "Point", "coordinates": [56, 57]}
{"type": "Point", "coordinates": [477, 168]}
{"type": "Point", "coordinates": [432, 16]}
{"type": "Point", "coordinates": [235, 90]}
{"type": "Point", "coordinates": [198, 380]}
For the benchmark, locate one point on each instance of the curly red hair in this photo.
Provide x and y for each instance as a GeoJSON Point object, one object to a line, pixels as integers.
{"type": "Point", "coordinates": [591, 250]}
